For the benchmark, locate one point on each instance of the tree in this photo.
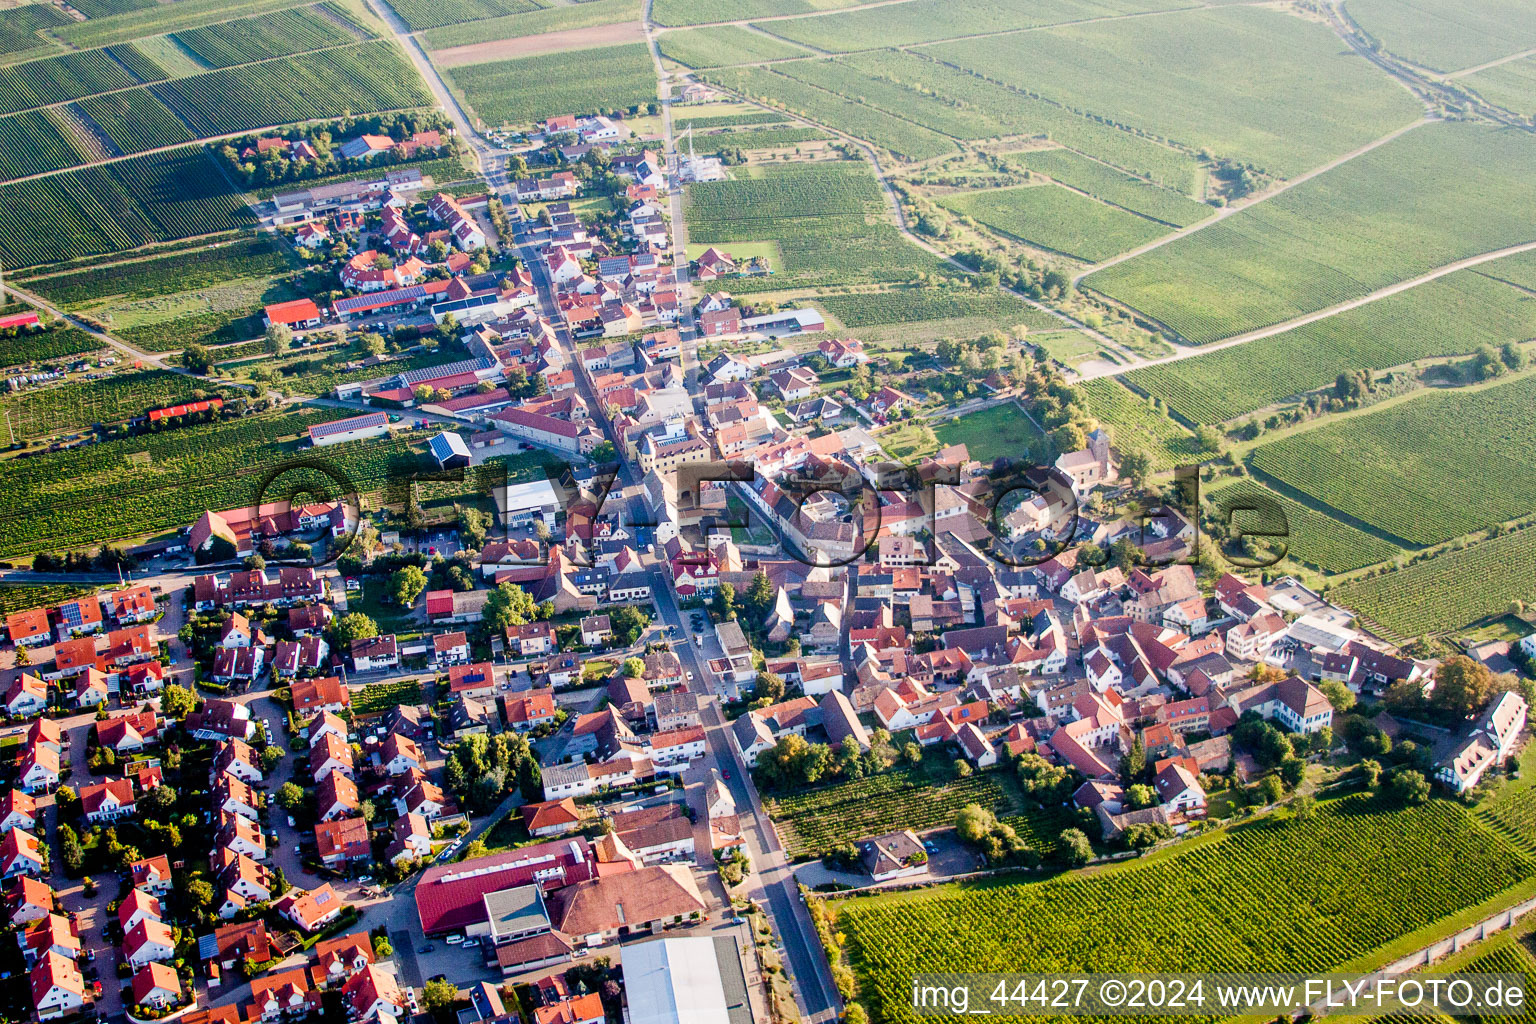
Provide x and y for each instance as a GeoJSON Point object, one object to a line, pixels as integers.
{"type": "Point", "coordinates": [1141, 795]}
{"type": "Point", "coordinates": [271, 758]}
{"type": "Point", "coordinates": [1074, 849]}
{"type": "Point", "coordinates": [1338, 695]}
{"type": "Point", "coordinates": [473, 524]}
{"type": "Point", "coordinates": [290, 797]}
{"type": "Point", "coordinates": [369, 811]}
{"type": "Point", "coordinates": [1135, 466]}
{"type": "Point", "coordinates": [1269, 790]}
{"type": "Point", "coordinates": [200, 893]}
{"type": "Point", "coordinates": [177, 702]}
{"type": "Point", "coordinates": [277, 339]}
{"type": "Point", "coordinates": [768, 687]}
{"type": "Point", "coordinates": [972, 822]}
{"type": "Point", "coordinates": [382, 949]}
{"type": "Point", "coordinates": [633, 668]}
{"type": "Point", "coordinates": [1409, 787]}
{"type": "Point", "coordinates": [197, 359]}
{"type": "Point", "coordinates": [353, 626]}
{"type": "Point", "coordinates": [1304, 808]}
{"type": "Point", "coordinates": [1069, 437]}
{"type": "Point", "coordinates": [406, 585]}
{"type": "Point", "coordinates": [1462, 687]}
{"type": "Point", "coordinates": [1134, 764]}
{"type": "Point", "coordinates": [372, 343]}
{"type": "Point", "coordinates": [438, 997]}
{"type": "Point", "coordinates": [509, 605]}
{"type": "Point", "coordinates": [759, 595]}
{"type": "Point", "coordinates": [725, 602]}
{"type": "Point", "coordinates": [158, 800]}
{"type": "Point", "coordinates": [1369, 772]}
{"type": "Point", "coordinates": [1292, 771]}
{"type": "Point", "coordinates": [627, 624]}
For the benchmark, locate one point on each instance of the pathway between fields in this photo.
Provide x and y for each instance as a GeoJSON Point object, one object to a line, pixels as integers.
{"type": "Point", "coordinates": [1190, 351]}
{"type": "Point", "coordinates": [1241, 205]}
{"type": "Point", "coordinates": [1491, 64]}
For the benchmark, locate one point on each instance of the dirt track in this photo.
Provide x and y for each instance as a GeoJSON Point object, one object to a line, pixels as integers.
{"type": "Point", "coordinates": [549, 42]}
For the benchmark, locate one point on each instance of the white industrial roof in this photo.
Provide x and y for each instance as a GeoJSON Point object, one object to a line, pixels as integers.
{"type": "Point", "coordinates": [674, 981]}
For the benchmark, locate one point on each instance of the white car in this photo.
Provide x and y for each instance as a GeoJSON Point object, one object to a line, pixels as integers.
{"type": "Point", "coordinates": [291, 822]}
{"type": "Point", "coordinates": [454, 939]}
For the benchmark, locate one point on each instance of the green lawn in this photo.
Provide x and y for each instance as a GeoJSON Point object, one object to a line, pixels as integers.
{"type": "Point", "coordinates": [992, 433]}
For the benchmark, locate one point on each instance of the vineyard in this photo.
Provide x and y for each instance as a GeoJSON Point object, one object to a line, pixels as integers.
{"type": "Point", "coordinates": [37, 141]}
{"type": "Point", "coordinates": [156, 18]}
{"type": "Point", "coordinates": [268, 35]}
{"type": "Point", "coordinates": [19, 27]}
{"type": "Point", "coordinates": [368, 77]}
{"type": "Point", "coordinates": [111, 207]}
{"type": "Point", "coordinates": [1450, 315]}
{"type": "Point", "coordinates": [420, 14]}
{"type": "Point", "coordinates": [918, 797]}
{"type": "Point", "coordinates": [1450, 34]}
{"type": "Point", "coordinates": [249, 256]}
{"type": "Point", "coordinates": [905, 305]}
{"type": "Point", "coordinates": [765, 138]}
{"type": "Point", "coordinates": [58, 79]}
{"type": "Point", "coordinates": [1310, 536]}
{"type": "Point", "coordinates": [1132, 422]}
{"type": "Point", "coordinates": [901, 137]}
{"type": "Point", "coordinates": [136, 486]}
{"type": "Point", "coordinates": [683, 121]}
{"type": "Point", "coordinates": [1275, 895]}
{"type": "Point", "coordinates": [529, 89]}
{"type": "Point", "coordinates": [1113, 186]}
{"type": "Point", "coordinates": [1057, 219]}
{"type": "Point", "coordinates": [703, 12]}
{"type": "Point", "coordinates": [820, 216]}
{"type": "Point", "coordinates": [121, 396]}
{"type": "Point", "coordinates": [1382, 218]}
{"type": "Point", "coordinates": [1512, 809]}
{"type": "Point", "coordinates": [728, 44]}
{"type": "Point", "coordinates": [40, 346]}
{"type": "Point", "coordinates": [922, 21]}
{"type": "Point", "coordinates": [1451, 590]}
{"type": "Point", "coordinates": [1508, 958]}
{"type": "Point", "coordinates": [134, 121]}
{"type": "Point", "coordinates": [1512, 86]}
{"type": "Point", "coordinates": [18, 597]}
{"type": "Point", "coordinates": [1248, 83]}
{"type": "Point", "coordinates": [1426, 470]}
{"type": "Point", "coordinates": [379, 697]}
{"type": "Point", "coordinates": [554, 19]}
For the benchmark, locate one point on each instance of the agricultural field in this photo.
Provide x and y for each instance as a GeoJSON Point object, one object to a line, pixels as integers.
{"type": "Point", "coordinates": [214, 315]}
{"type": "Point", "coordinates": [991, 433]}
{"type": "Point", "coordinates": [1320, 895]}
{"type": "Point", "coordinates": [1448, 316]}
{"type": "Point", "coordinates": [1131, 421]}
{"type": "Point", "coordinates": [905, 305]}
{"type": "Point", "coordinates": [133, 121]}
{"type": "Point", "coordinates": [902, 137]}
{"type": "Point", "coordinates": [819, 214]}
{"type": "Point", "coordinates": [922, 21]}
{"type": "Point", "coordinates": [424, 14]}
{"type": "Point", "coordinates": [247, 256]}
{"type": "Point", "coordinates": [19, 28]}
{"type": "Point", "coordinates": [155, 19]}
{"type": "Point", "coordinates": [683, 120]}
{"type": "Point", "coordinates": [1447, 35]}
{"type": "Point", "coordinates": [1056, 219]}
{"type": "Point", "coordinates": [728, 44]}
{"type": "Point", "coordinates": [527, 89]}
{"type": "Point", "coordinates": [1512, 809]}
{"type": "Point", "coordinates": [763, 138]}
{"type": "Point", "coordinates": [589, 14]}
{"type": "Point", "coordinates": [42, 346]}
{"type": "Point", "coordinates": [704, 12]}
{"type": "Point", "coordinates": [1389, 215]}
{"type": "Point", "coordinates": [1266, 88]}
{"type": "Point", "coordinates": [376, 698]}
{"type": "Point", "coordinates": [1426, 469]}
{"type": "Point", "coordinates": [1070, 348]}
{"type": "Point", "coordinates": [1309, 536]}
{"type": "Point", "coordinates": [368, 77]}
{"type": "Point", "coordinates": [151, 198]}
{"type": "Point", "coordinates": [1450, 590]}
{"type": "Point", "coordinates": [918, 797]}
{"type": "Point", "coordinates": [58, 79]}
{"type": "Point", "coordinates": [269, 35]}
{"type": "Point", "coordinates": [1511, 86]}
{"type": "Point", "coordinates": [158, 481]}
{"type": "Point", "coordinates": [70, 406]}
{"type": "Point", "coordinates": [38, 141]}
{"type": "Point", "coordinates": [18, 597]}
{"type": "Point", "coordinates": [1113, 186]}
